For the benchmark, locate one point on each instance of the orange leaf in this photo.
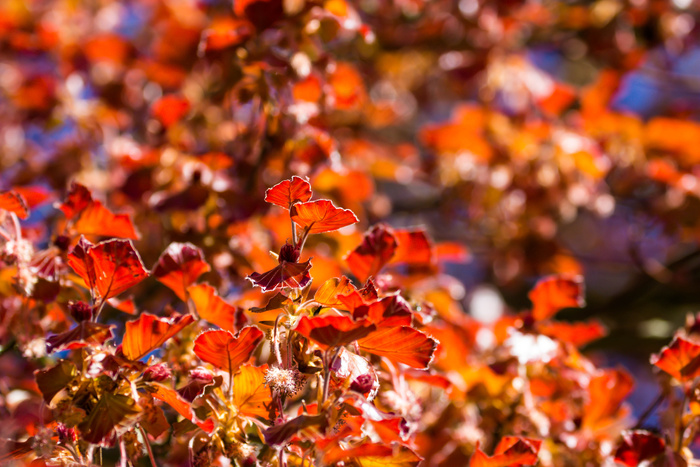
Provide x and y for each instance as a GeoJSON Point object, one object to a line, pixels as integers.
{"type": "Point", "coordinates": [333, 331]}
{"type": "Point", "coordinates": [606, 393]}
{"type": "Point", "coordinates": [12, 201]}
{"type": "Point", "coordinates": [226, 351]}
{"type": "Point", "coordinates": [414, 247]}
{"type": "Point", "coordinates": [213, 308]}
{"type": "Point", "coordinates": [321, 216]}
{"type": "Point", "coordinates": [511, 450]}
{"type": "Point", "coordinates": [179, 266]}
{"type": "Point", "coordinates": [385, 312]}
{"type": "Point", "coordinates": [181, 406]}
{"type": "Point", "coordinates": [289, 192]}
{"type": "Point", "coordinates": [108, 268]}
{"type": "Point", "coordinates": [150, 332]}
{"type": "Point", "coordinates": [401, 345]}
{"type": "Point", "coordinates": [377, 248]}
{"type": "Point", "coordinates": [224, 33]}
{"type": "Point", "coordinates": [578, 334]}
{"type": "Point", "coordinates": [554, 293]}
{"type": "Point", "coordinates": [328, 293]}
{"type": "Point", "coordinates": [84, 334]}
{"type": "Point", "coordinates": [250, 394]}
{"type": "Point", "coordinates": [94, 218]}
{"type": "Point", "coordinates": [680, 359]}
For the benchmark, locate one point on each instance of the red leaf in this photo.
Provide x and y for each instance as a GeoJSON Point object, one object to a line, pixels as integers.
{"type": "Point", "coordinates": [279, 434]}
{"type": "Point", "coordinates": [511, 450]}
{"type": "Point", "coordinates": [34, 195]}
{"type": "Point", "coordinates": [150, 332]}
{"type": "Point", "coordinates": [84, 334]}
{"type": "Point", "coordinates": [385, 312]}
{"type": "Point", "coordinates": [321, 216]}
{"type": "Point", "coordinates": [179, 266]}
{"type": "Point", "coordinates": [181, 406]}
{"type": "Point", "coordinates": [286, 274]}
{"type": "Point", "coordinates": [213, 308]}
{"type": "Point", "coordinates": [226, 351]}
{"type": "Point", "coordinates": [289, 192]}
{"type": "Point", "coordinates": [577, 334]}
{"type": "Point", "coordinates": [14, 202]}
{"type": "Point", "coordinates": [170, 109]}
{"type": "Point", "coordinates": [606, 393]}
{"type": "Point", "coordinates": [638, 446]}
{"type": "Point", "coordinates": [333, 331]}
{"type": "Point", "coordinates": [401, 345]}
{"type": "Point", "coordinates": [108, 268]}
{"type": "Point", "coordinates": [96, 219]}
{"type": "Point", "coordinates": [554, 293]}
{"type": "Point", "coordinates": [77, 199]}
{"type": "Point", "coordinates": [90, 217]}
{"type": "Point", "coordinates": [680, 359]}
{"type": "Point", "coordinates": [414, 247]}
{"type": "Point", "coordinates": [377, 248]}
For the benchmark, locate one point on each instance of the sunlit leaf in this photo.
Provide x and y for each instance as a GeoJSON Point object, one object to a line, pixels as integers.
{"type": "Point", "coordinates": [12, 201]}
{"type": "Point", "coordinates": [289, 192]}
{"type": "Point", "coordinates": [226, 351]}
{"type": "Point", "coordinates": [52, 380]}
{"type": "Point", "coordinates": [329, 292]}
{"type": "Point", "coordinates": [680, 359]}
{"type": "Point", "coordinates": [149, 332]}
{"type": "Point", "coordinates": [179, 266]}
{"type": "Point", "coordinates": [108, 268]}
{"type": "Point", "coordinates": [181, 406]}
{"type": "Point", "coordinates": [332, 331]}
{"type": "Point", "coordinates": [211, 307]}
{"type": "Point", "coordinates": [377, 248]}
{"type": "Point", "coordinates": [401, 345]}
{"type": "Point", "coordinates": [250, 394]}
{"type": "Point", "coordinates": [511, 450]}
{"type": "Point", "coordinates": [321, 216]}
{"type": "Point", "coordinates": [555, 293]}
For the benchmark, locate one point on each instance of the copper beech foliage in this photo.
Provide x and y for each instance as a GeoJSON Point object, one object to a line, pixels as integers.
{"type": "Point", "coordinates": [336, 373]}
{"type": "Point", "coordinates": [230, 231]}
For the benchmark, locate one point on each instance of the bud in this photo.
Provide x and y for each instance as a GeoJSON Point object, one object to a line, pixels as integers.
{"type": "Point", "coordinates": [157, 372]}
{"type": "Point", "coordinates": [80, 311]}
{"type": "Point", "coordinates": [65, 434]}
{"type": "Point", "coordinates": [362, 384]}
{"type": "Point", "coordinates": [289, 254]}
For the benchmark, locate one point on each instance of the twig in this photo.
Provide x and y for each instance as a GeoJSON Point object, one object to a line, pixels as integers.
{"type": "Point", "coordinates": [649, 410]}
{"type": "Point", "coordinates": [148, 446]}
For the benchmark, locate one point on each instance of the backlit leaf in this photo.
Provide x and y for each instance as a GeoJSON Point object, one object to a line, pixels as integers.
{"type": "Point", "coordinates": [108, 268]}
{"type": "Point", "coordinates": [328, 293]}
{"type": "Point", "coordinates": [289, 192]}
{"type": "Point", "coordinates": [401, 345]}
{"type": "Point", "coordinates": [149, 332]}
{"type": "Point", "coordinates": [226, 351]}
{"type": "Point", "coordinates": [321, 216]}
{"type": "Point", "coordinates": [333, 331]}
{"type": "Point", "coordinates": [12, 201]}
{"type": "Point", "coordinates": [250, 394]}
{"type": "Point", "coordinates": [377, 248]}
{"type": "Point", "coordinates": [181, 406]}
{"type": "Point", "coordinates": [179, 266]}
{"type": "Point", "coordinates": [680, 359]}
{"type": "Point", "coordinates": [554, 293]}
{"type": "Point", "coordinates": [211, 307]}
{"type": "Point", "coordinates": [511, 450]}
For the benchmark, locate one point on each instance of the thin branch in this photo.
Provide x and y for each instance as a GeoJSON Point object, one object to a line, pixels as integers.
{"type": "Point", "coordinates": [148, 446]}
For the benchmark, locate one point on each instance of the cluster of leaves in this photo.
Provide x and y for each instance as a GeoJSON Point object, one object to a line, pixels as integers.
{"type": "Point", "coordinates": [391, 371]}
{"type": "Point", "coordinates": [270, 329]}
